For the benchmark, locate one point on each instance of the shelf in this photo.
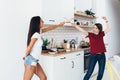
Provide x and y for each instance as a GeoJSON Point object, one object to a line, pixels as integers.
{"type": "Point", "coordinates": [66, 24]}
{"type": "Point", "coordinates": [83, 16]}
{"type": "Point", "coordinates": [85, 26]}
{"type": "Point", "coordinates": [82, 26]}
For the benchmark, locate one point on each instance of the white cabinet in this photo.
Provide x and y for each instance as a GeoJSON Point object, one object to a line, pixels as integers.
{"type": "Point", "coordinates": [47, 65]}
{"type": "Point", "coordinates": [77, 66]}
{"type": "Point", "coordinates": [69, 67]}
{"type": "Point", "coordinates": [64, 67]}
{"type": "Point", "coordinates": [54, 11]}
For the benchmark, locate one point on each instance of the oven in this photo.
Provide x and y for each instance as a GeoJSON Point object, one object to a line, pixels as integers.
{"type": "Point", "coordinates": [86, 59]}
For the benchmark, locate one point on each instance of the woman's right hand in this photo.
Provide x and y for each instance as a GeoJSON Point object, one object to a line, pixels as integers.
{"type": "Point", "coordinates": [69, 20]}
{"type": "Point", "coordinates": [61, 24]}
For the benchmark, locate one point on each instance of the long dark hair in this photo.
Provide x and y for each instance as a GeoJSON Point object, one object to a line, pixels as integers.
{"type": "Point", "coordinates": [99, 26]}
{"type": "Point", "coordinates": [33, 27]}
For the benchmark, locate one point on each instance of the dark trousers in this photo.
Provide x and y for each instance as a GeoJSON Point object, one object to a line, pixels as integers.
{"type": "Point", "coordinates": [101, 63]}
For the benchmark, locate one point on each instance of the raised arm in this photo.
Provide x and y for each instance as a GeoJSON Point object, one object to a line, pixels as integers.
{"type": "Point", "coordinates": [77, 27]}
{"type": "Point", "coordinates": [108, 25]}
{"type": "Point", "coordinates": [52, 27]}
{"type": "Point", "coordinates": [82, 30]}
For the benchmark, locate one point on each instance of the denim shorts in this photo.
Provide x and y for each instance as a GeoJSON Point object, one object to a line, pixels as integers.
{"type": "Point", "coordinates": [30, 60]}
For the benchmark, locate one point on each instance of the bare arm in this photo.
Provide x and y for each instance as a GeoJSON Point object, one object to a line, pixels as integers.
{"type": "Point", "coordinates": [108, 25]}
{"type": "Point", "coordinates": [52, 27]}
{"type": "Point", "coordinates": [108, 28]}
{"type": "Point", "coordinates": [29, 48]}
{"type": "Point", "coordinates": [80, 29]}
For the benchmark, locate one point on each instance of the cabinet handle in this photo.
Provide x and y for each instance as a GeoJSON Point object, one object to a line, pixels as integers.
{"type": "Point", "coordinates": [72, 64]}
{"type": "Point", "coordinates": [52, 20]}
{"type": "Point", "coordinates": [87, 55]}
{"type": "Point", "coordinates": [87, 51]}
{"type": "Point", "coordinates": [63, 58]}
{"type": "Point", "coordinates": [78, 54]}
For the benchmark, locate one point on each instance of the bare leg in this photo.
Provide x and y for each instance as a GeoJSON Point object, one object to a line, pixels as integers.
{"type": "Point", "coordinates": [40, 73]}
{"type": "Point", "coordinates": [29, 72]}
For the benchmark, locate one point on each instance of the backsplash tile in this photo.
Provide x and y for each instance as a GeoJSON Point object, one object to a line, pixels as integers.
{"type": "Point", "coordinates": [62, 33]}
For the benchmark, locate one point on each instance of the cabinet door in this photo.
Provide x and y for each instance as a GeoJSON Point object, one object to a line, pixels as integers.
{"type": "Point", "coordinates": [51, 11]}
{"type": "Point", "coordinates": [62, 68]}
{"type": "Point", "coordinates": [77, 66]}
{"type": "Point", "coordinates": [54, 11]}
{"type": "Point", "coordinates": [67, 9]}
{"type": "Point", "coordinates": [47, 65]}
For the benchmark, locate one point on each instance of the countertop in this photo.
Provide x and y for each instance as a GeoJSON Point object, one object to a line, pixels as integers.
{"type": "Point", "coordinates": [63, 53]}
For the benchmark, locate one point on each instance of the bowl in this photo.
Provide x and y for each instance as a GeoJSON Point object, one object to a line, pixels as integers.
{"type": "Point", "coordinates": [54, 49]}
{"type": "Point", "coordinates": [52, 52]}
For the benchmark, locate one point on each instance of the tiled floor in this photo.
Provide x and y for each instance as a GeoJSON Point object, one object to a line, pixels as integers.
{"type": "Point", "coordinates": [115, 61]}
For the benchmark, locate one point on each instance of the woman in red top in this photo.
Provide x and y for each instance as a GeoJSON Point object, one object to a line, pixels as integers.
{"type": "Point", "coordinates": [97, 48]}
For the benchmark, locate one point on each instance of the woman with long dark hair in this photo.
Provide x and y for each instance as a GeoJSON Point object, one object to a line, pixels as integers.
{"type": "Point", "coordinates": [97, 48]}
{"type": "Point", "coordinates": [34, 47]}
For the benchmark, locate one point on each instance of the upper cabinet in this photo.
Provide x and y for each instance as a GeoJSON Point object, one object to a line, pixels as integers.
{"type": "Point", "coordinates": [55, 11]}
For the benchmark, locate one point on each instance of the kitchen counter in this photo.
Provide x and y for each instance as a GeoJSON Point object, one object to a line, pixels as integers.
{"type": "Point", "coordinates": [63, 53]}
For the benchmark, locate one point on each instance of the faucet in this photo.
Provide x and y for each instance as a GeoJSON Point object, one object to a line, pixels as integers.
{"type": "Point", "coordinates": [72, 43]}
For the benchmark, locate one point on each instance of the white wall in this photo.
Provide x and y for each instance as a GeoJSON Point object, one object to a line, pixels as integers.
{"type": "Point", "coordinates": [113, 38]}
{"type": "Point", "coordinates": [110, 9]}
{"type": "Point", "coordinates": [82, 5]}
{"type": "Point", "coordinates": [99, 7]}
{"type": "Point", "coordinates": [14, 22]}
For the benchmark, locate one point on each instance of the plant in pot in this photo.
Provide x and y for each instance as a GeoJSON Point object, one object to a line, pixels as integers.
{"type": "Point", "coordinates": [45, 44]}
{"type": "Point", "coordinates": [89, 12]}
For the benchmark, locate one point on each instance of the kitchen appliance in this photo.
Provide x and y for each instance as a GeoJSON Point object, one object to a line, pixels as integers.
{"type": "Point", "coordinates": [86, 59]}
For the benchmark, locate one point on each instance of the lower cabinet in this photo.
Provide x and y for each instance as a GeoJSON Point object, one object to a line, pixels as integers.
{"type": "Point", "coordinates": [77, 68]}
{"type": "Point", "coordinates": [64, 67]}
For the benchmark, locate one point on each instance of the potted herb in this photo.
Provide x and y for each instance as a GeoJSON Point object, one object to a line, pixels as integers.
{"type": "Point", "coordinates": [89, 12]}
{"type": "Point", "coordinates": [45, 44]}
